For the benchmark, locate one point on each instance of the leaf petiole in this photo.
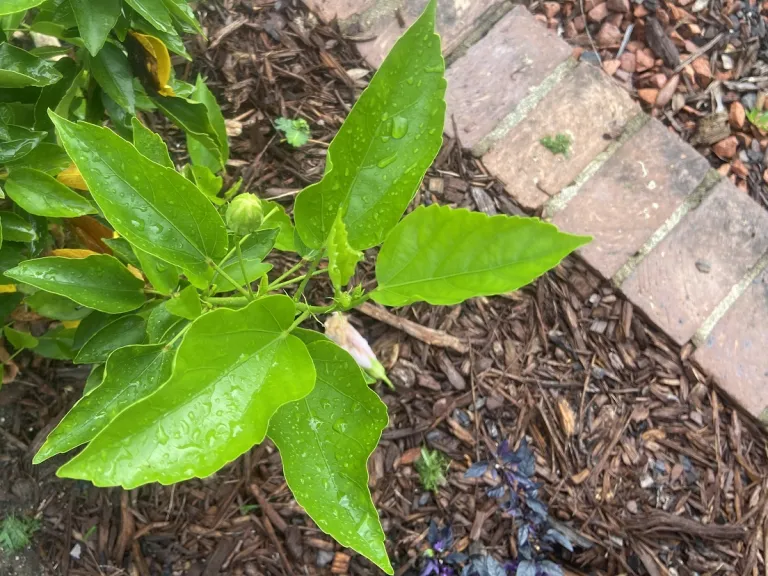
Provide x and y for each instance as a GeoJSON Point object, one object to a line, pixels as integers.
{"type": "Point", "coordinates": [277, 285]}
{"type": "Point", "coordinates": [310, 273]}
{"type": "Point", "coordinates": [231, 280]}
{"type": "Point", "coordinates": [242, 269]}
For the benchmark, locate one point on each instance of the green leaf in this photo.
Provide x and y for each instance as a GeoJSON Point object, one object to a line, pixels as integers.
{"type": "Point", "coordinates": [186, 304]}
{"type": "Point", "coordinates": [254, 248]}
{"type": "Point", "coordinates": [198, 152]}
{"type": "Point", "coordinates": [444, 256]}
{"type": "Point", "coordinates": [8, 303]}
{"type": "Point", "coordinates": [192, 117]}
{"type": "Point", "coordinates": [46, 157]}
{"type": "Point", "coordinates": [162, 325]}
{"type": "Point", "coordinates": [95, 20]}
{"type": "Point", "coordinates": [131, 373]}
{"type": "Point", "coordinates": [122, 331]}
{"type": "Point", "coordinates": [42, 195]}
{"type": "Point", "coordinates": [16, 229]}
{"type": "Point", "coordinates": [123, 250]}
{"type": "Point", "coordinates": [56, 344]}
{"type": "Point", "coordinates": [206, 181]}
{"type": "Point", "coordinates": [172, 40]}
{"type": "Point", "coordinates": [154, 208]}
{"type": "Point", "coordinates": [163, 276]}
{"type": "Point", "coordinates": [296, 131]}
{"type": "Point", "coordinates": [233, 370]}
{"type": "Point", "coordinates": [89, 326]}
{"type": "Point", "coordinates": [150, 144]}
{"type": "Point", "coordinates": [325, 441]}
{"type": "Point", "coordinates": [377, 160]}
{"type": "Point", "coordinates": [99, 281]}
{"type": "Point", "coordinates": [10, 256]}
{"type": "Point", "coordinates": [282, 222]}
{"type": "Point", "coordinates": [342, 259]}
{"type": "Point", "coordinates": [19, 68]}
{"type": "Point", "coordinates": [112, 71]}
{"type": "Point", "coordinates": [13, 6]}
{"type": "Point", "coordinates": [19, 340]}
{"type": "Point", "coordinates": [155, 13]}
{"type": "Point", "coordinates": [181, 10]}
{"type": "Point", "coordinates": [56, 307]}
{"type": "Point", "coordinates": [94, 380]}
{"type": "Point", "coordinates": [16, 142]}
{"type": "Point", "coordinates": [51, 96]}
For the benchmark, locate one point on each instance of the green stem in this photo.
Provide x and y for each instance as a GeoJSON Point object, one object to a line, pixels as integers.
{"type": "Point", "coordinates": [233, 250]}
{"type": "Point", "coordinates": [303, 316]}
{"type": "Point", "coordinates": [231, 280]}
{"type": "Point", "coordinates": [290, 271]}
{"type": "Point", "coordinates": [268, 215]}
{"type": "Point", "coordinates": [311, 272]}
{"type": "Point", "coordinates": [179, 335]}
{"type": "Point", "coordinates": [277, 285]}
{"type": "Point", "coordinates": [155, 293]}
{"type": "Point", "coordinates": [242, 269]}
{"type": "Point", "coordinates": [316, 309]}
{"type": "Point", "coordinates": [228, 301]}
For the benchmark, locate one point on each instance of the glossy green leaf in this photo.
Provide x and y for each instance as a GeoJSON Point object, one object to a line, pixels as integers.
{"type": "Point", "coordinates": [51, 95]}
{"type": "Point", "coordinates": [192, 117]}
{"type": "Point", "coordinates": [172, 40]}
{"type": "Point", "coordinates": [19, 68]}
{"type": "Point", "coordinates": [155, 12]}
{"type": "Point", "coordinates": [162, 325]}
{"type": "Point", "coordinates": [94, 380]}
{"type": "Point", "coordinates": [131, 373]}
{"type": "Point", "coordinates": [233, 370]}
{"type": "Point", "coordinates": [42, 195]}
{"type": "Point", "coordinates": [46, 157]}
{"type": "Point", "coordinates": [163, 276]}
{"type": "Point", "coordinates": [99, 282]}
{"type": "Point", "coordinates": [122, 331]}
{"type": "Point", "coordinates": [154, 208]}
{"type": "Point", "coordinates": [379, 156]}
{"type": "Point", "coordinates": [95, 20]}
{"type": "Point", "coordinates": [16, 142]}
{"type": "Point", "coordinates": [150, 144]}
{"type": "Point", "coordinates": [89, 326]}
{"type": "Point", "coordinates": [254, 248]}
{"type": "Point", "coordinates": [122, 250]}
{"type": "Point", "coordinates": [198, 152]}
{"type": "Point", "coordinates": [279, 219]}
{"type": "Point", "coordinates": [325, 441]}
{"type": "Point", "coordinates": [342, 258]}
{"type": "Point", "coordinates": [10, 256]}
{"type": "Point", "coordinates": [16, 229]}
{"type": "Point", "coordinates": [56, 307]}
{"type": "Point", "coordinates": [181, 10]}
{"type": "Point", "coordinates": [8, 303]}
{"type": "Point", "coordinates": [111, 69]}
{"type": "Point", "coordinates": [444, 256]}
{"type": "Point", "coordinates": [56, 344]}
{"type": "Point", "coordinates": [207, 182]}
{"type": "Point", "coordinates": [186, 304]}
{"type": "Point", "coordinates": [13, 6]}
{"type": "Point", "coordinates": [18, 339]}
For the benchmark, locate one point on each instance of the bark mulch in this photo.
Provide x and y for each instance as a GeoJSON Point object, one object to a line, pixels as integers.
{"type": "Point", "coordinates": [646, 465]}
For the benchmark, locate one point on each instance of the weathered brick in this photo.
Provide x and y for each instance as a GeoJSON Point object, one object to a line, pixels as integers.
{"type": "Point", "coordinates": [492, 78]}
{"type": "Point", "coordinates": [735, 351]}
{"type": "Point", "coordinates": [687, 275]}
{"type": "Point", "coordinates": [585, 106]}
{"type": "Point", "coordinates": [632, 195]}
{"type": "Point", "coordinates": [341, 10]}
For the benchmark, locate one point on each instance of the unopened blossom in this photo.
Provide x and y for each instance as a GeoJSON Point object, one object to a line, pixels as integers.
{"type": "Point", "coordinates": [338, 329]}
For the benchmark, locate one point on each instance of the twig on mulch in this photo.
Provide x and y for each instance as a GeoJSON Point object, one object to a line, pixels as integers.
{"type": "Point", "coordinates": [700, 52]}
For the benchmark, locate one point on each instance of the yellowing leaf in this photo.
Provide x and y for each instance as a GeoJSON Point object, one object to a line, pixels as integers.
{"type": "Point", "coordinates": [71, 177]}
{"type": "Point", "coordinates": [71, 323]}
{"type": "Point", "coordinates": [73, 252]}
{"type": "Point", "coordinates": [157, 61]}
{"type": "Point", "coordinates": [7, 288]}
{"type": "Point", "coordinates": [136, 272]}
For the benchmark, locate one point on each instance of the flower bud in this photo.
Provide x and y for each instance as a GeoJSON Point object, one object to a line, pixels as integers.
{"type": "Point", "coordinates": [244, 214]}
{"type": "Point", "coordinates": [338, 329]}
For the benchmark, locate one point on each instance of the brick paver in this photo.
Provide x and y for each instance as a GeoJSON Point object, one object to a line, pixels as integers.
{"type": "Point", "coordinates": [735, 352]}
{"type": "Point", "coordinates": [632, 195]}
{"type": "Point", "coordinates": [685, 277]}
{"type": "Point", "coordinates": [340, 10]}
{"type": "Point", "coordinates": [586, 106]}
{"type": "Point", "coordinates": [492, 78]}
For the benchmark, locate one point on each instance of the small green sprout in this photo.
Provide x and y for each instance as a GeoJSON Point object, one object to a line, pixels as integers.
{"type": "Point", "coordinates": [559, 144]}
{"type": "Point", "coordinates": [758, 118]}
{"type": "Point", "coordinates": [296, 131]}
{"type": "Point", "coordinates": [431, 467]}
{"type": "Point", "coordinates": [16, 533]}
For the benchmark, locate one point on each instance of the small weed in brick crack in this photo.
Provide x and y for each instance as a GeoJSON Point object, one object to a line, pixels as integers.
{"type": "Point", "coordinates": [557, 144]}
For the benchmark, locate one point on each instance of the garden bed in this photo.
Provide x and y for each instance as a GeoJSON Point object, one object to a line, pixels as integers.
{"type": "Point", "coordinates": [650, 468]}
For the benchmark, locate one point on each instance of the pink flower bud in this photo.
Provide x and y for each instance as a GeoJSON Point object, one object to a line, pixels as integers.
{"type": "Point", "coordinates": [338, 329]}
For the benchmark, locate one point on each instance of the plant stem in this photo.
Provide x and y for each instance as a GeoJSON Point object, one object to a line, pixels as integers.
{"type": "Point", "coordinates": [303, 316]}
{"type": "Point", "coordinates": [288, 272]}
{"type": "Point", "coordinates": [227, 277]}
{"type": "Point", "coordinates": [311, 272]}
{"type": "Point", "coordinates": [242, 269]}
{"type": "Point", "coordinates": [179, 335]}
{"type": "Point", "coordinates": [155, 293]}
{"type": "Point", "coordinates": [316, 309]}
{"type": "Point", "coordinates": [229, 301]}
{"type": "Point", "coordinates": [277, 286]}
{"type": "Point", "coordinates": [268, 215]}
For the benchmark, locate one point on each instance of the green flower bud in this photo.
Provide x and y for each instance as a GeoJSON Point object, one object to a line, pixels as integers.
{"type": "Point", "coordinates": [244, 214]}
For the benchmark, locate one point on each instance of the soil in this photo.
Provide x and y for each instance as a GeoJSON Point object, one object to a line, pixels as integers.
{"type": "Point", "coordinates": [650, 469]}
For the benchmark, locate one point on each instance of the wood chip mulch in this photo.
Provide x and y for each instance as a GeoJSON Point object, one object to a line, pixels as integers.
{"type": "Point", "coordinates": [645, 464]}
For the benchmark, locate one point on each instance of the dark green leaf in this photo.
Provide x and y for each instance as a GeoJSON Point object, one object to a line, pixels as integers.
{"type": "Point", "coordinates": [154, 208]}
{"type": "Point", "coordinates": [99, 282]}
{"type": "Point", "coordinates": [325, 441]}
{"type": "Point", "coordinates": [41, 194]}
{"type": "Point", "coordinates": [377, 160]}
{"type": "Point", "coordinates": [16, 142]}
{"type": "Point", "coordinates": [254, 248]}
{"type": "Point", "coordinates": [13, 6]}
{"type": "Point", "coordinates": [155, 12]}
{"type": "Point", "coordinates": [122, 250]}
{"type": "Point", "coordinates": [19, 68]}
{"type": "Point", "coordinates": [89, 326]}
{"type": "Point", "coordinates": [122, 331]}
{"type": "Point", "coordinates": [199, 154]}
{"type": "Point", "coordinates": [181, 10]}
{"type": "Point", "coordinates": [56, 344]}
{"type": "Point", "coordinates": [444, 256]}
{"type": "Point", "coordinates": [112, 71]}
{"type": "Point", "coordinates": [186, 304]}
{"type": "Point", "coordinates": [233, 370]}
{"type": "Point", "coordinates": [95, 378]}
{"type": "Point", "coordinates": [95, 20]}
{"type": "Point", "coordinates": [19, 339]}
{"type": "Point", "coordinates": [150, 144]}
{"type": "Point", "coordinates": [51, 95]}
{"type": "Point", "coordinates": [8, 303]}
{"type": "Point", "coordinates": [280, 220]}
{"type": "Point", "coordinates": [10, 256]}
{"type": "Point", "coordinates": [46, 157]}
{"type": "Point", "coordinates": [161, 324]}
{"type": "Point", "coordinates": [131, 373]}
{"type": "Point", "coordinates": [16, 229]}
{"type": "Point", "coordinates": [163, 276]}
{"type": "Point", "coordinates": [171, 40]}
{"type": "Point", "coordinates": [192, 117]}
{"type": "Point", "coordinates": [56, 307]}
